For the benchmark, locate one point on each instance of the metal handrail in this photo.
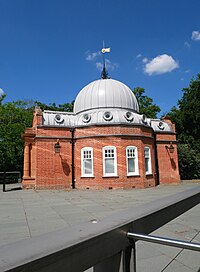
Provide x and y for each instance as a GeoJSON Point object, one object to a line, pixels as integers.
{"type": "Point", "coordinates": [164, 241]}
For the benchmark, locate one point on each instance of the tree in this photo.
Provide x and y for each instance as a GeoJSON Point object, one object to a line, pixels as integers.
{"type": "Point", "coordinates": [187, 119]}
{"type": "Point", "coordinates": [2, 98]}
{"type": "Point", "coordinates": [14, 118]}
{"type": "Point", "coordinates": [68, 107]}
{"type": "Point", "coordinates": [146, 105]}
{"type": "Point", "coordinates": [189, 162]}
{"type": "Point", "coordinates": [189, 107]}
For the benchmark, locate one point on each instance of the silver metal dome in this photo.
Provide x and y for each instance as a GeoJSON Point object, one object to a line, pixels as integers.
{"type": "Point", "coordinates": [104, 102]}
{"type": "Point", "coordinates": [105, 93]}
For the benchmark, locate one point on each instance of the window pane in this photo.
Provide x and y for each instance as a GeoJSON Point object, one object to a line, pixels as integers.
{"type": "Point", "coordinates": [131, 165]}
{"type": "Point", "coordinates": [109, 153]}
{"type": "Point", "coordinates": [146, 152]}
{"type": "Point", "coordinates": [131, 153]}
{"type": "Point", "coordinates": [87, 154]}
{"type": "Point", "coordinates": [87, 166]}
{"type": "Point", "coordinates": [146, 164]}
{"type": "Point", "coordinates": [109, 166]}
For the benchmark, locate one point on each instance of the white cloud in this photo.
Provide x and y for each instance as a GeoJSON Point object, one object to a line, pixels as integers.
{"type": "Point", "coordinates": [99, 65]}
{"type": "Point", "coordinates": [92, 56]}
{"type": "Point", "coordinates": [138, 56]}
{"type": "Point", "coordinates": [145, 60]}
{"type": "Point", "coordinates": [1, 92]}
{"type": "Point", "coordinates": [109, 65]}
{"type": "Point", "coordinates": [195, 35]}
{"type": "Point", "coordinates": [187, 71]}
{"type": "Point", "coordinates": [187, 44]}
{"type": "Point", "coordinates": [160, 65]}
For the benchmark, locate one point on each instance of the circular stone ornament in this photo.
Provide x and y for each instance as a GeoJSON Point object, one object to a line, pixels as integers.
{"type": "Point", "coordinates": [108, 116]}
{"type": "Point", "coordinates": [161, 126]}
{"type": "Point", "coordinates": [86, 118]}
{"type": "Point", "coordinates": [129, 116]}
{"type": "Point", "coordinates": [144, 119]}
{"type": "Point", "coordinates": [59, 118]}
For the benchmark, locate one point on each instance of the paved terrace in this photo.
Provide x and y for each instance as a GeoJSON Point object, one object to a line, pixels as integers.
{"type": "Point", "coordinates": [25, 214]}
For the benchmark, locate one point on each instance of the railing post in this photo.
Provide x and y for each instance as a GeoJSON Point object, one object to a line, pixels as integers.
{"type": "Point", "coordinates": [127, 259]}
{"type": "Point", "coordinates": [4, 181]}
{"type": "Point", "coordinates": [134, 255]}
{"type": "Point", "coordinates": [4, 175]}
{"type": "Point", "coordinates": [111, 264]}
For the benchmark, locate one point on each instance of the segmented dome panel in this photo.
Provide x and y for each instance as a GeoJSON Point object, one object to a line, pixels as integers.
{"type": "Point", "coordinates": [105, 93]}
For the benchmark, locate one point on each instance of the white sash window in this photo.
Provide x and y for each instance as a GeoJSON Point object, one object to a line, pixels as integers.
{"type": "Point", "coordinates": [109, 161]}
{"type": "Point", "coordinates": [87, 161]}
{"type": "Point", "coordinates": [147, 158]}
{"type": "Point", "coordinates": [132, 160]}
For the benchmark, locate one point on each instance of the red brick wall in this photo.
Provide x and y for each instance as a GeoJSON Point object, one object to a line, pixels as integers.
{"type": "Point", "coordinates": [121, 181]}
{"type": "Point", "coordinates": [53, 170]}
{"type": "Point", "coordinates": [49, 169]}
{"type": "Point", "coordinates": [167, 162]}
{"type": "Point", "coordinates": [97, 143]}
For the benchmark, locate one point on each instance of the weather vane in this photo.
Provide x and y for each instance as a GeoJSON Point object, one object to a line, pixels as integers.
{"type": "Point", "coordinates": [104, 73]}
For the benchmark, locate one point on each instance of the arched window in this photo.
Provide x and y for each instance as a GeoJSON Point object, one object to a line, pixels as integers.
{"type": "Point", "coordinates": [87, 162]}
{"type": "Point", "coordinates": [132, 160]}
{"type": "Point", "coordinates": [109, 161]}
{"type": "Point", "coordinates": [147, 159]}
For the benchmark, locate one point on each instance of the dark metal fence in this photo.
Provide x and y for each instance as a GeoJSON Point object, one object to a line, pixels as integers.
{"type": "Point", "coordinates": [10, 177]}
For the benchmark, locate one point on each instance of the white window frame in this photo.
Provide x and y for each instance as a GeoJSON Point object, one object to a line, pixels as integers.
{"type": "Point", "coordinates": [149, 172]}
{"type": "Point", "coordinates": [136, 172]}
{"type": "Point", "coordinates": [83, 174]}
{"type": "Point", "coordinates": [114, 174]}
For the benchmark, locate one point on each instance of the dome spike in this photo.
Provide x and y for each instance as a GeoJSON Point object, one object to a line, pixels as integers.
{"type": "Point", "coordinates": [104, 73]}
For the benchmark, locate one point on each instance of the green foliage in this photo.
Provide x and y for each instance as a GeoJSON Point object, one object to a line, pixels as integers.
{"type": "Point", "coordinates": [2, 98]}
{"type": "Point", "coordinates": [14, 118]}
{"type": "Point", "coordinates": [146, 105]}
{"type": "Point", "coordinates": [189, 162]}
{"type": "Point", "coordinates": [190, 108]}
{"type": "Point", "coordinates": [67, 107]}
{"type": "Point", "coordinates": [187, 119]}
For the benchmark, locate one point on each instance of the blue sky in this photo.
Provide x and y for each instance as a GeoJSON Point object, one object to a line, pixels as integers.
{"type": "Point", "coordinates": [49, 49]}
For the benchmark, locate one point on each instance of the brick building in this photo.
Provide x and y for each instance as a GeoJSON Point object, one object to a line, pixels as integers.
{"type": "Point", "coordinates": [105, 143]}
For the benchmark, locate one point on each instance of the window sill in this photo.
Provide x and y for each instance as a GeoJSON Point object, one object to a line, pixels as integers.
{"type": "Point", "coordinates": [87, 176]}
{"type": "Point", "coordinates": [113, 176]}
{"type": "Point", "coordinates": [149, 174]}
{"type": "Point", "coordinates": [133, 175]}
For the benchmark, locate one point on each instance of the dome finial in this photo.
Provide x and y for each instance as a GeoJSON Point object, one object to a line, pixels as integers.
{"type": "Point", "coordinates": [104, 73]}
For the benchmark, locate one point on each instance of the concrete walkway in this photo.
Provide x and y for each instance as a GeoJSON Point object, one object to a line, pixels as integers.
{"type": "Point", "coordinates": [25, 214]}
